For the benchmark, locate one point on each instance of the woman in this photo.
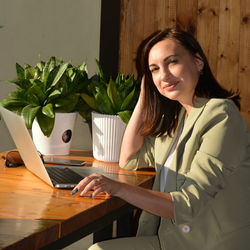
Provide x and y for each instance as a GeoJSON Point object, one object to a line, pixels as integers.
{"type": "Point", "coordinates": [188, 127]}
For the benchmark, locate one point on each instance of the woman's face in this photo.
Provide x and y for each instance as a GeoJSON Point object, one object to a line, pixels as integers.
{"type": "Point", "coordinates": [175, 71]}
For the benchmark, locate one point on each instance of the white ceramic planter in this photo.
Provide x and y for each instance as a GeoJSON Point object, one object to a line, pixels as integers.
{"type": "Point", "coordinates": [107, 133]}
{"type": "Point", "coordinates": [59, 142]}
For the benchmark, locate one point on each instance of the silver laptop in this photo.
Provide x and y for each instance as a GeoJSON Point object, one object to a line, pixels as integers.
{"type": "Point", "coordinates": [55, 176]}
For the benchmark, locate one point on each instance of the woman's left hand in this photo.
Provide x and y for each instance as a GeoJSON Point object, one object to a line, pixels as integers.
{"type": "Point", "coordinates": [99, 183]}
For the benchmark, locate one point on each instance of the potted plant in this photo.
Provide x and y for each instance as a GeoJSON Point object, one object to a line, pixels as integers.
{"type": "Point", "coordinates": [43, 92]}
{"type": "Point", "coordinates": [111, 103]}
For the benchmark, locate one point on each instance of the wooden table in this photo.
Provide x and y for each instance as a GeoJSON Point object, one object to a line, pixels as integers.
{"type": "Point", "coordinates": [34, 215]}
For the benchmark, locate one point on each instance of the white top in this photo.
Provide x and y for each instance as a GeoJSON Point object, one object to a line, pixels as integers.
{"type": "Point", "coordinates": [164, 170]}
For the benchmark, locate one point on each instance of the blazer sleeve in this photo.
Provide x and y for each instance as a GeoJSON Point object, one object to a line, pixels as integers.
{"type": "Point", "coordinates": [144, 157]}
{"type": "Point", "coordinates": [222, 138]}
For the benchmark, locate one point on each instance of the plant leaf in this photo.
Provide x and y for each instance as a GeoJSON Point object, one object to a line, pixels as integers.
{"type": "Point", "coordinates": [29, 72]}
{"type": "Point", "coordinates": [45, 73]}
{"type": "Point", "coordinates": [40, 65]}
{"type": "Point", "coordinates": [46, 123]}
{"type": "Point", "coordinates": [19, 71]}
{"type": "Point", "coordinates": [86, 116]}
{"type": "Point", "coordinates": [66, 103]}
{"type": "Point", "coordinates": [52, 63]}
{"type": "Point", "coordinates": [114, 95]}
{"type": "Point", "coordinates": [100, 70]}
{"type": "Point", "coordinates": [101, 73]}
{"type": "Point", "coordinates": [83, 67]}
{"type": "Point", "coordinates": [125, 115]}
{"type": "Point", "coordinates": [54, 94]}
{"type": "Point", "coordinates": [13, 104]}
{"type": "Point", "coordinates": [128, 100]}
{"type": "Point", "coordinates": [59, 74]}
{"type": "Point", "coordinates": [48, 110]}
{"type": "Point", "coordinates": [90, 101]}
{"type": "Point", "coordinates": [36, 94]}
{"type": "Point", "coordinates": [103, 101]}
{"type": "Point", "coordinates": [29, 113]}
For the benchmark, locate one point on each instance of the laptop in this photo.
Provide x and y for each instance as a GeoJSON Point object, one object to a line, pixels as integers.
{"type": "Point", "coordinates": [55, 176]}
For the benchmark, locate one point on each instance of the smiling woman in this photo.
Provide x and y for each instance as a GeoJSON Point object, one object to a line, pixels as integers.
{"type": "Point", "coordinates": [186, 72]}
{"type": "Point", "coordinates": [175, 71]}
{"type": "Point", "coordinates": [202, 165]}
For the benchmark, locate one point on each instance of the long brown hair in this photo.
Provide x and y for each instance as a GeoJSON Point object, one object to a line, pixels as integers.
{"type": "Point", "coordinates": [160, 113]}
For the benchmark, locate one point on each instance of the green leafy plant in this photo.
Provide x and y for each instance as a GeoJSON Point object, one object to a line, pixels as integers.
{"type": "Point", "coordinates": [46, 88]}
{"type": "Point", "coordinates": [106, 95]}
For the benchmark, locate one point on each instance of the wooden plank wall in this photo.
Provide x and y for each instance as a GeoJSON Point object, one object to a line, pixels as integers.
{"type": "Point", "coordinates": [221, 26]}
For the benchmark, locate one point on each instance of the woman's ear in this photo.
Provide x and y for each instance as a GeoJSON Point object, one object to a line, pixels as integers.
{"type": "Point", "coordinates": [199, 62]}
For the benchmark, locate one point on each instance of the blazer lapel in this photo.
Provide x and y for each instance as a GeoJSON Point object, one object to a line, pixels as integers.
{"type": "Point", "coordinates": [188, 125]}
{"type": "Point", "coordinates": [164, 145]}
{"type": "Point", "coordinates": [195, 112]}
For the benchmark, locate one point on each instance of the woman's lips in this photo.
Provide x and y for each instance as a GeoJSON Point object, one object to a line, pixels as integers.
{"type": "Point", "coordinates": [170, 85]}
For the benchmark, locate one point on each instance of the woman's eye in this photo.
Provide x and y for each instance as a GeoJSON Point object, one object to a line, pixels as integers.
{"type": "Point", "coordinates": [173, 61]}
{"type": "Point", "coordinates": [152, 70]}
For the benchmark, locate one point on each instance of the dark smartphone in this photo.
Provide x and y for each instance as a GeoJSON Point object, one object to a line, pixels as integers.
{"type": "Point", "coordinates": [53, 160]}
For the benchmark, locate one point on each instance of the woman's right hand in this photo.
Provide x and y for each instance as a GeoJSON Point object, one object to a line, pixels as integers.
{"type": "Point", "coordinates": [132, 139]}
{"type": "Point", "coordinates": [141, 98]}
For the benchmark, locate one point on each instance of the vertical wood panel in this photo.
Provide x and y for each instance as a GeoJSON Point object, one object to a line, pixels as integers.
{"type": "Point", "coordinates": [169, 14]}
{"type": "Point", "coordinates": [244, 60]}
{"type": "Point", "coordinates": [159, 14]}
{"type": "Point", "coordinates": [187, 15]}
{"type": "Point", "coordinates": [228, 44]}
{"type": "Point", "coordinates": [132, 31]}
{"type": "Point", "coordinates": [207, 30]}
{"type": "Point", "coordinates": [150, 17]}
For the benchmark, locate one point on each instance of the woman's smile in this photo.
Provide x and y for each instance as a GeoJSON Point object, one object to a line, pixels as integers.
{"type": "Point", "coordinates": [170, 86]}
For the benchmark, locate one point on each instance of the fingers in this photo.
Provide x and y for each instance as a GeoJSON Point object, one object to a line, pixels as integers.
{"type": "Point", "coordinates": [88, 183]}
{"type": "Point", "coordinates": [99, 190]}
{"type": "Point", "coordinates": [142, 86]}
{"type": "Point", "coordinates": [142, 92]}
{"type": "Point", "coordinates": [93, 182]}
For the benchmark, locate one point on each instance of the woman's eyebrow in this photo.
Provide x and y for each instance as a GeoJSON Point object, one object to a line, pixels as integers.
{"type": "Point", "coordinates": [165, 60]}
{"type": "Point", "coordinates": [169, 57]}
{"type": "Point", "coordinates": [152, 65]}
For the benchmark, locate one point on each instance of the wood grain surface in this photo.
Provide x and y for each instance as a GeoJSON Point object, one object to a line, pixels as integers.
{"type": "Point", "coordinates": [48, 213]}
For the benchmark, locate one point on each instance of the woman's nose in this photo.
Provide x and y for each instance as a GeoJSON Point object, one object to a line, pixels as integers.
{"type": "Point", "coordinates": [165, 74]}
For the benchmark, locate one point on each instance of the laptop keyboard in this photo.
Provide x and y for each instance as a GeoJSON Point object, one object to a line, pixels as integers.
{"type": "Point", "coordinates": [61, 175]}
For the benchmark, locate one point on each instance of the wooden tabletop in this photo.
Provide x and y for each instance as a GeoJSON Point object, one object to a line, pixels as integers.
{"type": "Point", "coordinates": [33, 214]}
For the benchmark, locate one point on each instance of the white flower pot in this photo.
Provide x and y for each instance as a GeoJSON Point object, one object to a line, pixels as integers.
{"type": "Point", "coordinates": [107, 133]}
{"type": "Point", "coordinates": [59, 142]}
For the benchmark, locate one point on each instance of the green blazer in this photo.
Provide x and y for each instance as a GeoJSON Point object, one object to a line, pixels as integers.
{"type": "Point", "coordinates": [208, 179]}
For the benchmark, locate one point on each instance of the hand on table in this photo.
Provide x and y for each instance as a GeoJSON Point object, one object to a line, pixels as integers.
{"type": "Point", "coordinates": [99, 183]}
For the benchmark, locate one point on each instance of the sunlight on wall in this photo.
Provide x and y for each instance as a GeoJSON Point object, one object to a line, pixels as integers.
{"type": "Point", "coordinates": [34, 29]}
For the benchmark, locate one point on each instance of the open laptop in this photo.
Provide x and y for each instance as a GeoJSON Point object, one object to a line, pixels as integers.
{"type": "Point", "coordinates": [31, 158]}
